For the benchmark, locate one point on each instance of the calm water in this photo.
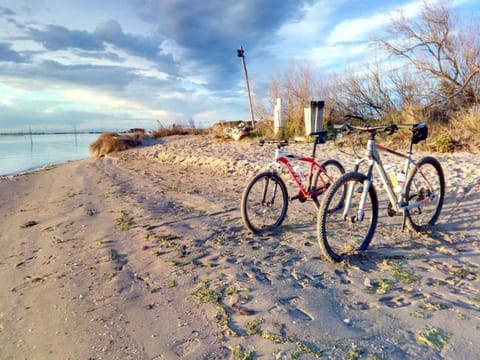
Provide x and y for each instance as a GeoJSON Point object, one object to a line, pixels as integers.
{"type": "Point", "coordinates": [24, 153]}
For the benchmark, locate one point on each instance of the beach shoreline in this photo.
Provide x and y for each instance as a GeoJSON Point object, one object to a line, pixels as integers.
{"type": "Point", "coordinates": [142, 255]}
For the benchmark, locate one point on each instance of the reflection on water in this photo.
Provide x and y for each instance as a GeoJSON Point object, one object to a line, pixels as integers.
{"type": "Point", "coordinates": [28, 152]}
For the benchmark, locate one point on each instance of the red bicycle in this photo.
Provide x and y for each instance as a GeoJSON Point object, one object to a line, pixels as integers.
{"type": "Point", "coordinates": [265, 200]}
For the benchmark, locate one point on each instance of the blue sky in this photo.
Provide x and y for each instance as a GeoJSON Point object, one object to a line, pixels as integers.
{"type": "Point", "coordinates": [115, 64]}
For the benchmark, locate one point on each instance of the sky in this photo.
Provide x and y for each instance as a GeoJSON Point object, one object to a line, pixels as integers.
{"type": "Point", "coordinates": [120, 64]}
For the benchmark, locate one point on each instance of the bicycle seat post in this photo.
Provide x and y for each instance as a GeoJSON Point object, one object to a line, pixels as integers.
{"type": "Point", "coordinates": [314, 148]}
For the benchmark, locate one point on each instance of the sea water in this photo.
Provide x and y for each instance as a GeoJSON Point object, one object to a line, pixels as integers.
{"type": "Point", "coordinates": [23, 153]}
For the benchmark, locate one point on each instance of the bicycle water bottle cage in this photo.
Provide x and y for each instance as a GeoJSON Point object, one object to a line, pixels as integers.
{"type": "Point", "coordinates": [420, 132]}
{"type": "Point", "coordinates": [320, 136]}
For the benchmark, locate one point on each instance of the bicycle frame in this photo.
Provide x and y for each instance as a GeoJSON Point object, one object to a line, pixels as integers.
{"type": "Point", "coordinates": [282, 158]}
{"type": "Point", "coordinates": [374, 160]}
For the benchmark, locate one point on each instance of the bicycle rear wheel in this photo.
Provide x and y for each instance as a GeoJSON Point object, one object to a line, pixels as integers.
{"type": "Point", "coordinates": [333, 171]}
{"type": "Point", "coordinates": [424, 181]}
{"type": "Point", "coordinates": [341, 233]}
{"type": "Point", "coordinates": [264, 202]}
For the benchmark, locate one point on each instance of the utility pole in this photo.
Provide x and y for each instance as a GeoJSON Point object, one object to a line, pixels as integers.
{"type": "Point", "coordinates": [241, 54]}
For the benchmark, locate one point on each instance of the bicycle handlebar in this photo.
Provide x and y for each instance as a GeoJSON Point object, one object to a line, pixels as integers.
{"type": "Point", "coordinates": [280, 143]}
{"type": "Point", "coordinates": [389, 129]}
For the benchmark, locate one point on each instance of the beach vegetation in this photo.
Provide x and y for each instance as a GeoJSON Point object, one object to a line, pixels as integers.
{"type": "Point", "coordinates": [201, 213]}
{"type": "Point", "coordinates": [170, 283]}
{"type": "Point", "coordinates": [253, 327]}
{"type": "Point", "coordinates": [205, 294]}
{"type": "Point", "coordinates": [419, 314]}
{"type": "Point", "coordinates": [109, 142]}
{"type": "Point", "coordinates": [310, 349]}
{"type": "Point", "coordinates": [401, 274]}
{"type": "Point", "coordinates": [433, 306]}
{"type": "Point", "coordinates": [353, 354]}
{"type": "Point", "coordinates": [276, 339]}
{"type": "Point", "coordinates": [380, 287]}
{"type": "Point", "coordinates": [465, 272]}
{"type": "Point", "coordinates": [124, 221]}
{"type": "Point", "coordinates": [434, 338]}
{"type": "Point", "coordinates": [442, 143]}
{"type": "Point", "coordinates": [219, 240]}
{"type": "Point", "coordinates": [166, 240]}
{"type": "Point", "coordinates": [240, 354]}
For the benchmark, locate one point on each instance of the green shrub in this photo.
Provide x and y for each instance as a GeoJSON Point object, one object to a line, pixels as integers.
{"type": "Point", "coordinates": [443, 143]}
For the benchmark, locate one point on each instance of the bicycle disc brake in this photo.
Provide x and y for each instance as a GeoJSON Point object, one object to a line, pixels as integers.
{"type": "Point", "coordinates": [391, 210]}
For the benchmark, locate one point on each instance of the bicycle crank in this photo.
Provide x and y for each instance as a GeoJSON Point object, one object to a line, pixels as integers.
{"type": "Point", "coordinates": [300, 196]}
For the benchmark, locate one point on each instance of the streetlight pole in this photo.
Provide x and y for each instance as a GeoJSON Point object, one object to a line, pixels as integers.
{"type": "Point", "coordinates": [241, 54]}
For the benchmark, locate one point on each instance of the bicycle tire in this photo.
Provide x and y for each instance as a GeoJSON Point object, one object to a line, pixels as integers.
{"type": "Point", "coordinates": [339, 236]}
{"type": "Point", "coordinates": [259, 215]}
{"type": "Point", "coordinates": [334, 170]}
{"type": "Point", "coordinates": [427, 174]}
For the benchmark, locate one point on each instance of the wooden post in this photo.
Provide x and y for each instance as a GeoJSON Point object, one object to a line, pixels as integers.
{"type": "Point", "coordinates": [241, 54]}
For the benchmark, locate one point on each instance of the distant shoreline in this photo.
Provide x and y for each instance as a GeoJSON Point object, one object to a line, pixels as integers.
{"type": "Point", "coordinates": [23, 133]}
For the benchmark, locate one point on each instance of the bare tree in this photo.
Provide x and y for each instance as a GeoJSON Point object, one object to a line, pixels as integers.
{"type": "Point", "coordinates": [436, 45]}
{"type": "Point", "coordinates": [372, 91]}
{"type": "Point", "coordinates": [296, 87]}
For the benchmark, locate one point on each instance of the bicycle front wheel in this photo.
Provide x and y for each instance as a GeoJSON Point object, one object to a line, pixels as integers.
{"type": "Point", "coordinates": [343, 230]}
{"type": "Point", "coordinates": [330, 171]}
{"type": "Point", "coordinates": [425, 186]}
{"type": "Point", "coordinates": [264, 202]}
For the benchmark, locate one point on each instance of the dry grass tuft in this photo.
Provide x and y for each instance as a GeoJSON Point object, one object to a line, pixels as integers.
{"type": "Point", "coordinates": [110, 142]}
{"type": "Point", "coordinates": [176, 130]}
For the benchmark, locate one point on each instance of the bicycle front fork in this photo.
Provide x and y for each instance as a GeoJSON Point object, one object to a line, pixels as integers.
{"type": "Point", "coordinates": [361, 206]}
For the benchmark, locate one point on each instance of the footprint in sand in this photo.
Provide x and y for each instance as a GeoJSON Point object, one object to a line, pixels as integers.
{"type": "Point", "coordinates": [287, 305]}
{"type": "Point", "coordinates": [394, 301]}
{"type": "Point", "coordinates": [261, 276]}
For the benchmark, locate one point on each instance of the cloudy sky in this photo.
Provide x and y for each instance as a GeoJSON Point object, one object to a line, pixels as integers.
{"type": "Point", "coordinates": [117, 64]}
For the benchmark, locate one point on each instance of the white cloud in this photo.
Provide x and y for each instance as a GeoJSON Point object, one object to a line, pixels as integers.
{"type": "Point", "coordinates": [356, 30]}
{"type": "Point", "coordinates": [309, 25]}
{"type": "Point", "coordinates": [104, 102]}
{"type": "Point", "coordinates": [336, 55]}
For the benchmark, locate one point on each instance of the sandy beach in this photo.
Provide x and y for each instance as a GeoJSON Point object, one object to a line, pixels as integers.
{"type": "Point", "coordinates": [143, 255]}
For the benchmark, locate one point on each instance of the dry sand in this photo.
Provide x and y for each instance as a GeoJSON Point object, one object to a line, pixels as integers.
{"type": "Point", "coordinates": [142, 255]}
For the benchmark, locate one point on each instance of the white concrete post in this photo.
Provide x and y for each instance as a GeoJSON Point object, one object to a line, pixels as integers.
{"type": "Point", "coordinates": [278, 120]}
{"type": "Point", "coordinates": [313, 116]}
